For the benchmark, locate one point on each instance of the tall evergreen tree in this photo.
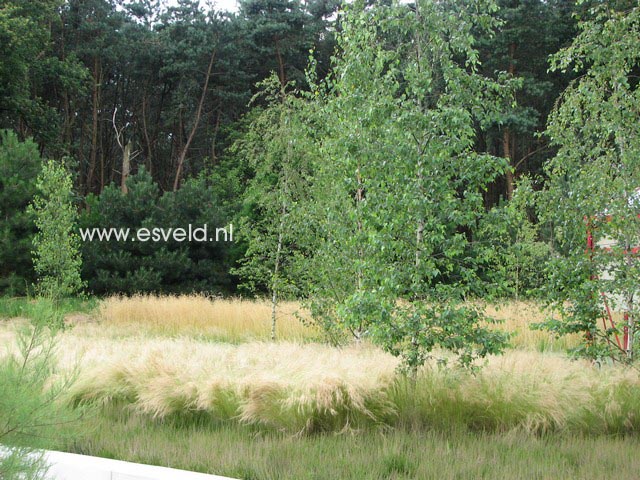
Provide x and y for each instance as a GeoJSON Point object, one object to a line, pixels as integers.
{"type": "Point", "coordinates": [529, 32]}
{"type": "Point", "coordinates": [20, 165]}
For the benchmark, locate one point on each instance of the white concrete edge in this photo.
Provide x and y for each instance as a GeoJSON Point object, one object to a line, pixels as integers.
{"type": "Point", "coordinates": [71, 466]}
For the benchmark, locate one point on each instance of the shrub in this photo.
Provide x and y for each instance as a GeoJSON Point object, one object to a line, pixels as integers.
{"type": "Point", "coordinates": [30, 410]}
{"type": "Point", "coordinates": [511, 244]}
{"type": "Point", "coordinates": [144, 267]}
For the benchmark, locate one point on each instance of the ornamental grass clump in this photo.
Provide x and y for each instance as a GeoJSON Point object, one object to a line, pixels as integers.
{"type": "Point", "coordinates": [316, 388]}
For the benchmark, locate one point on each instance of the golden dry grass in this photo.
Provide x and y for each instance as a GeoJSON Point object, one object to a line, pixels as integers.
{"type": "Point", "coordinates": [304, 388]}
{"type": "Point", "coordinates": [280, 385]}
{"type": "Point", "coordinates": [155, 357]}
{"type": "Point", "coordinates": [238, 320]}
{"type": "Point", "coordinates": [233, 320]}
{"type": "Point", "coordinates": [517, 318]}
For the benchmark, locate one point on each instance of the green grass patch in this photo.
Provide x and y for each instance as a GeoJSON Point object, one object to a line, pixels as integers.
{"type": "Point", "coordinates": [31, 308]}
{"type": "Point", "coordinates": [247, 453]}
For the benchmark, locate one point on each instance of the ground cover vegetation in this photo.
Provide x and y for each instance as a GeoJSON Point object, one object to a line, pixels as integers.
{"type": "Point", "coordinates": [165, 395]}
{"type": "Point", "coordinates": [435, 208]}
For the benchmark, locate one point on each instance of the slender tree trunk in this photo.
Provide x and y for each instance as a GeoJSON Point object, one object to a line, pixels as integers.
{"type": "Point", "coordinates": [214, 139]}
{"type": "Point", "coordinates": [82, 159]}
{"type": "Point", "coordinates": [282, 75]}
{"type": "Point", "coordinates": [180, 136]}
{"type": "Point", "coordinates": [145, 132]}
{"type": "Point", "coordinates": [276, 270]}
{"type": "Point", "coordinates": [196, 121]}
{"type": "Point", "coordinates": [69, 119]}
{"type": "Point", "coordinates": [508, 154]}
{"type": "Point", "coordinates": [413, 374]}
{"type": "Point", "coordinates": [420, 151]}
{"type": "Point", "coordinates": [631, 325]}
{"type": "Point", "coordinates": [359, 275]}
{"type": "Point", "coordinates": [507, 139]}
{"type": "Point", "coordinates": [155, 133]}
{"type": "Point", "coordinates": [630, 314]}
{"type": "Point", "coordinates": [97, 80]}
{"type": "Point", "coordinates": [102, 165]}
{"type": "Point", "coordinates": [126, 167]}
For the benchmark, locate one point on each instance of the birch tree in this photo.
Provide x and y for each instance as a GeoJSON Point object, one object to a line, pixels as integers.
{"type": "Point", "coordinates": [399, 188]}
{"type": "Point", "coordinates": [594, 179]}
{"type": "Point", "coordinates": [279, 158]}
{"type": "Point", "coordinates": [56, 245]}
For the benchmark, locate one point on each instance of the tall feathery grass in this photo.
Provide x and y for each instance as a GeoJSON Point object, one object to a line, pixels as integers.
{"type": "Point", "coordinates": [163, 364]}
{"type": "Point", "coordinates": [309, 388]}
{"type": "Point", "coordinates": [232, 320]}
{"type": "Point", "coordinates": [281, 386]}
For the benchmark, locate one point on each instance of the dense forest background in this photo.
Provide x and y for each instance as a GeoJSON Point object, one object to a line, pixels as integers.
{"type": "Point", "coordinates": [150, 106]}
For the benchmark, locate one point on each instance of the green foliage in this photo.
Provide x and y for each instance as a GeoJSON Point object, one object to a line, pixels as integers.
{"type": "Point", "coordinates": [29, 68]}
{"type": "Point", "coordinates": [280, 34]}
{"type": "Point", "coordinates": [593, 180]}
{"type": "Point", "coordinates": [512, 245]}
{"type": "Point", "coordinates": [22, 464]}
{"type": "Point", "coordinates": [128, 267]}
{"type": "Point", "coordinates": [397, 188]}
{"type": "Point", "coordinates": [279, 155]}
{"type": "Point", "coordinates": [57, 260]}
{"type": "Point", "coordinates": [31, 308]}
{"type": "Point", "coordinates": [19, 167]}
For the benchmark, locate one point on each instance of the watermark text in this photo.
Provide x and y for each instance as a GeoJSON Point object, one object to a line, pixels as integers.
{"type": "Point", "coordinates": [190, 233]}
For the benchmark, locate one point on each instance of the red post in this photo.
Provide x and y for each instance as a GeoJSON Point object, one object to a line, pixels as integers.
{"type": "Point", "coordinates": [627, 347]}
